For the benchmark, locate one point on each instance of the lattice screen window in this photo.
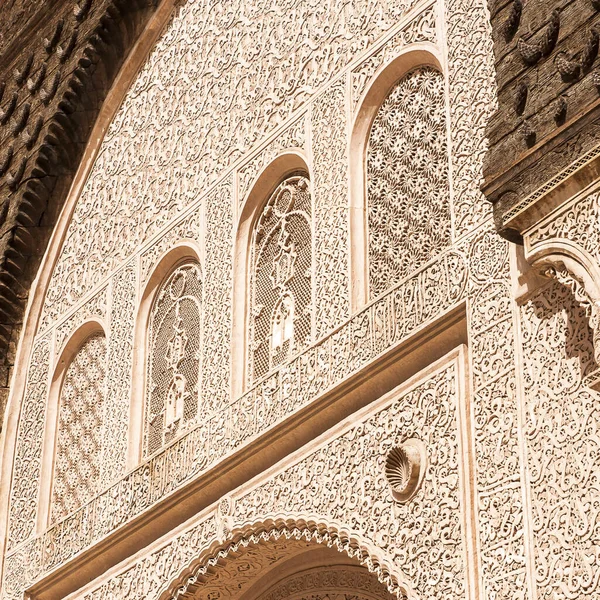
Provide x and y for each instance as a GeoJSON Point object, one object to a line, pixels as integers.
{"type": "Point", "coordinates": [408, 196]}
{"type": "Point", "coordinates": [173, 378]}
{"type": "Point", "coordinates": [78, 461]}
{"type": "Point", "coordinates": [281, 277]}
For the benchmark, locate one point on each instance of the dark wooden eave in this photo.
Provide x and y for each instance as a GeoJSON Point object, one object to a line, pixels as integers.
{"type": "Point", "coordinates": [548, 117]}
{"type": "Point", "coordinates": [58, 59]}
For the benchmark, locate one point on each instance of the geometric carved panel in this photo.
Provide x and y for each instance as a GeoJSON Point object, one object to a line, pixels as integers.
{"type": "Point", "coordinates": [281, 314]}
{"type": "Point", "coordinates": [407, 180]}
{"type": "Point", "coordinates": [78, 458]}
{"type": "Point", "coordinates": [175, 330]}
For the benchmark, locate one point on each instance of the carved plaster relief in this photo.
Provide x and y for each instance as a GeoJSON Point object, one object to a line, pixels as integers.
{"type": "Point", "coordinates": [96, 307]}
{"type": "Point", "coordinates": [337, 583]}
{"type": "Point", "coordinates": [561, 433]}
{"type": "Point", "coordinates": [281, 280]}
{"type": "Point", "coordinates": [78, 468]}
{"type": "Point", "coordinates": [119, 380]}
{"type": "Point", "coordinates": [501, 515]}
{"type": "Point", "coordinates": [344, 481]}
{"type": "Point", "coordinates": [293, 136]}
{"type": "Point", "coordinates": [407, 179]}
{"type": "Point", "coordinates": [421, 29]}
{"type": "Point", "coordinates": [590, 306]}
{"type": "Point", "coordinates": [147, 577]}
{"type": "Point", "coordinates": [163, 148]}
{"type": "Point", "coordinates": [394, 317]}
{"type": "Point", "coordinates": [577, 221]}
{"type": "Point", "coordinates": [173, 389]}
{"type": "Point", "coordinates": [27, 463]}
{"type": "Point", "coordinates": [472, 100]}
{"type": "Point", "coordinates": [188, 228]}
{"type": "Point", "coordinates": [565, 246]}
{"type": "Point", "coordinates": [330, 178]}
{"type": "Point", "coordinates": [157, 162]}
{"type": "Point", "coordinates": [422, 544]}
{"type": "Point", "coordinates": [292, 568]}
{"type": "Point", "coordinates": [216, 347]}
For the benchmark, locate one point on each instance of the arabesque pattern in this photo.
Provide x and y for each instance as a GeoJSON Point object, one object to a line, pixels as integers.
{"type": "Point", "coordinates": [165, 173]}
{"type": "Point", "coordinates": [330, 167]}
{"type": "Point", "coordinates": [472, 93]}
{"type": "Point", "coordinates": [420, 29]}
{"type": "Point", "coordinates": [281, 277]}
{"type": "Point", "coordinates": [396, 316]}
{"type": "Point", "coordinates": [218, 265]}
{"type": "Point", "coordinates": [119, 373]}
{"type": "Point", "coordinates": [162, 149]}
{"type": "Point", "coordinates": [563, 444]}
{"type": "Point", "coordinates": [425, 555]}
{"type": "Point", "coordinates": [426, 552]}
{"type": "Point", "coordinates": [28, 459]}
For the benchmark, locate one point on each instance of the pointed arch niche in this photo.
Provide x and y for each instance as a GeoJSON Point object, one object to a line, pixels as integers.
{"type": "Point", "coordinates": [166, 396]}
{"type": "Point", "coordinates": [74, 439]}
{"type": "Point", "coordinates": [395, 101]}
{"type": "Point", "coordinates": [291, 169]}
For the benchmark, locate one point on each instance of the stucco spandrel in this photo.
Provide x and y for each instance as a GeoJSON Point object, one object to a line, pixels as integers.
{"type": "Point", "coordinates": [223, 77]}
{"type": "Point", "coordinates": [340, 481]}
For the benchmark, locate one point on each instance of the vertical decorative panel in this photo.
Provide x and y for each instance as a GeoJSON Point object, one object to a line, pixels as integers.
{"type": "Point", "coordinates": [174, 357]}
{"type": "Point", "coordinates": [218, 267]}
{"type": "Point", "coordinates": [563, 444]}
{"type": "Point", "coordinates": [407, 180]}
{"type": "Point", "coordinates": [472, 92]}
{"type": "Point", "coordinates": [281, 277]}
{"type": "Point", "coordinates": [330, 174]}
{"type": "Point", "coordinates": [498, 452]}
{"type": "Point", "coordinates": [81, 424]}
{"type": "Point", "coordinates": [28, 454]}
{"type": "Point", "coordinates": [120, 357]}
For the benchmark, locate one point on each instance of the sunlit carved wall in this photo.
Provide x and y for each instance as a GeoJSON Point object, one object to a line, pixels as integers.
{"type": "Point", "coordinates": [408, 196]}
{"type": "Point", "coordinates": [281, 277]}
{"type": "Point", "coordinates": [173, 350]}
{"type": "Point", "coordinates": [229, 87]}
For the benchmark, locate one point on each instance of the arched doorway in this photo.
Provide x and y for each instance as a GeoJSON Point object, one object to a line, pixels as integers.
{"type": "Point", "coordinates": [286, 569]}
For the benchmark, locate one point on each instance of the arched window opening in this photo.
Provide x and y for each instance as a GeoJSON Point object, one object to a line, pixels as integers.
{"type": "Point", "coordinates": [174, 357]}
{"type": "Point", "coordinates": [408, 204]}
{"type": "Point", "coordinates": [281, 277]}
{"type": "Point", "coordinates": [78, 463]}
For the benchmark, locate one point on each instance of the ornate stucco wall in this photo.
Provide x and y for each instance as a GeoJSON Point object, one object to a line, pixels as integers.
{"type": "Point", "coordinates": [488, 365]}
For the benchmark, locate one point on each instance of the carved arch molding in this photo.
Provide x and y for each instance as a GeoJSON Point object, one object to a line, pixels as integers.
{"type": "Point", "coordinates": [294, 564]}
{"type": "Point", "coordinates": [563, 247]}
